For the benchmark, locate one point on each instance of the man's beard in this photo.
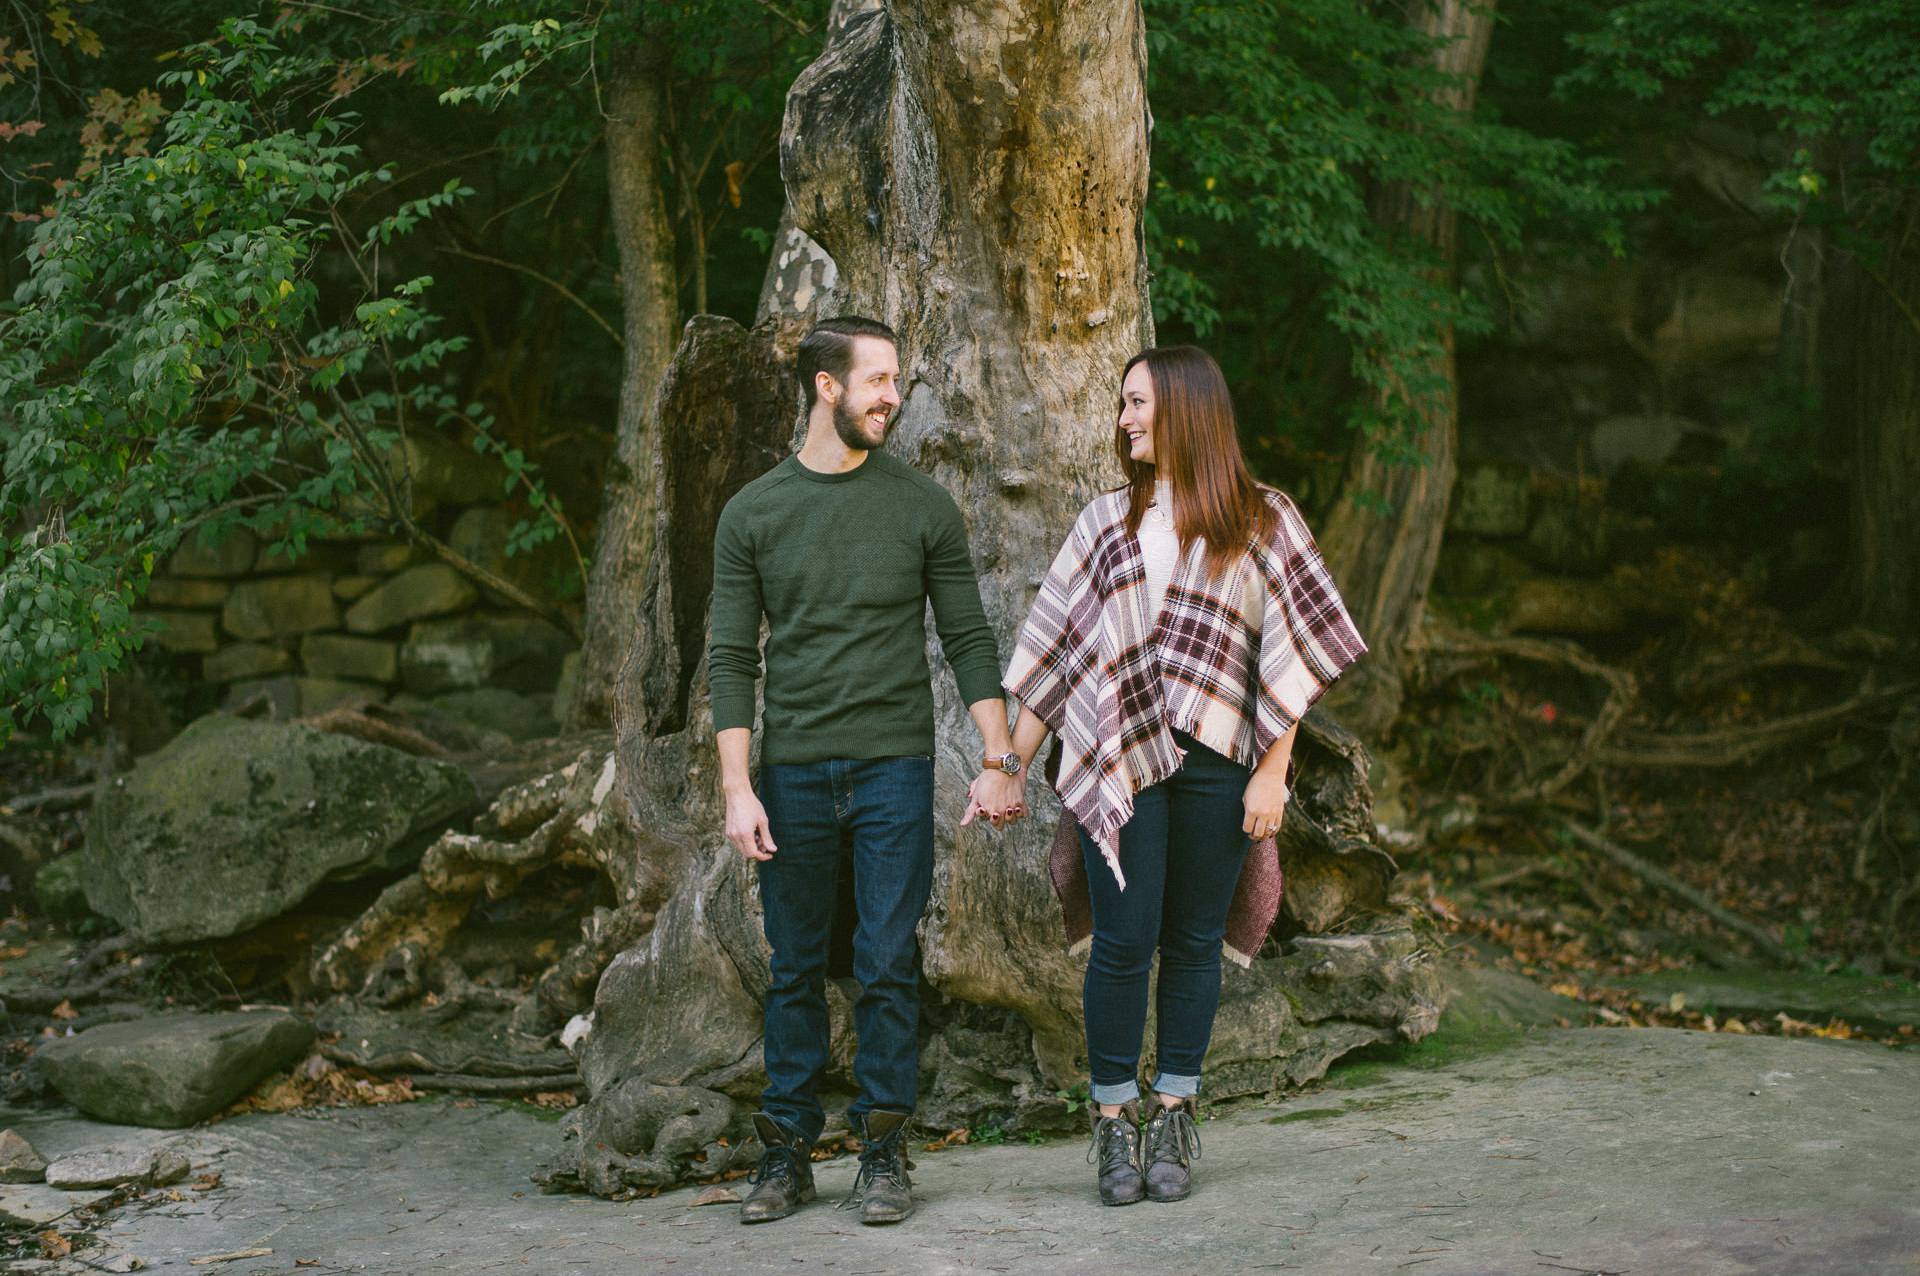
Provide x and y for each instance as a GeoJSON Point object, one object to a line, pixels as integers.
{"type": "Point", "coordinates": [850, 426]}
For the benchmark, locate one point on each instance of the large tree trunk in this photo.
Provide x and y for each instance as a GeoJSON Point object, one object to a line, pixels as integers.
{"type": "Point", "coordinates": [643, 236]}
{"type": "Point", "coordinates": [1874, 391]}
{"type": "Point", "coordinates": [977, 174]}
{"type": "Point", "coordinates": [1384, 561]}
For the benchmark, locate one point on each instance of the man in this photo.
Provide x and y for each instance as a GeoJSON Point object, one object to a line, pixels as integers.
{"type": "Point", "coordinates": [840, 547]}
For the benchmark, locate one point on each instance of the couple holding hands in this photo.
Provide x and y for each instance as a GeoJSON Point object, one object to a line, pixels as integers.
{"type": "Point", "coordinates": [1182, 630]}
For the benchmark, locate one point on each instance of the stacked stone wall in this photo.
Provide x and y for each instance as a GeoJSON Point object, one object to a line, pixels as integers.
{"type": "Point", "coordinates": [374, 620]}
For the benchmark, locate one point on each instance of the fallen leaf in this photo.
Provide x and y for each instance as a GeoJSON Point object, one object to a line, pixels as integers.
{"type": "Point", "coordinates": [717, 1195]}
{"type": "Point", "coordinates": [54, 1245]}
{"type": "Point", "coordinates": [65, 1010]}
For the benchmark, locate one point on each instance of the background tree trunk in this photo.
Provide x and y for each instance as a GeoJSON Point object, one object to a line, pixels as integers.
{"type": "Point", "coordinates": [643, 235]}
{"type": "Point", "coordinates": [1384, 561]}
{"type": "Point", "coordinates": [1874, 391]}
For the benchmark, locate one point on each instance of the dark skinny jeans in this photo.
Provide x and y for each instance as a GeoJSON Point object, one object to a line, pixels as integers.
{"type": "Point", "coordinates": [872, 817]}
{"type": "Point", "coordinates": [1181, 852]}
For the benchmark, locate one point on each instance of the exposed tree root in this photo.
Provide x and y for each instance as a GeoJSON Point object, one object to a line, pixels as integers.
{"type": "Point", "coordinates": [1457, 649]}
{"type": "Point", "coordinates": [1680, 890]}
{"type": "Point", "coordinates": [1733, 746]}
{"type": "Point", "coordinates": [557, 819]}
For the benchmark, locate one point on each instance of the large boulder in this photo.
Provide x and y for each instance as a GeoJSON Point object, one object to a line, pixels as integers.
{"type": "Point", "coordinates": [171, 1070]}
{"type": "Point", "coordinates": [236, 821]}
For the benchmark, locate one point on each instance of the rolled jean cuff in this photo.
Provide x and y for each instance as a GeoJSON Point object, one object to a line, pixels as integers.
{"type": "Point", "coordinates": [1124, 1092]}
{"type": "Point", "coordinates": [1178, 1087]}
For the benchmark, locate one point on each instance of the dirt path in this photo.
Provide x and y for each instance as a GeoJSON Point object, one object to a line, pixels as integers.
{"type": "Point", "coordinates": [1587, 1150]}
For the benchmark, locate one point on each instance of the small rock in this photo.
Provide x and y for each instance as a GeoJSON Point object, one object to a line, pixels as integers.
{"type": "Point", "coordinates": [279, 607]}
{"type": "Point", "coordinates": [431, 589]}
{"type": "Point", "coordinates": [348, 588]}
{"type": "Point", "coordinates": [245, 660]}
{"type": "Point", "coordinates": [184, 632]}
{"type": "Point", "coordinates": [386, 559]}
{"type": "Point", "coordinates": [446, 656]}
{"type": "Point", "coordinates": [178, 591]}
{"type": "Point", "coordinates": [37, 1205]}
{"type": "Point", "coordinates": [112, 1166]}
{"type": "Point", "coordinates": [19, 1162]}
{"type": "Point", "coordinates": [341, 656]}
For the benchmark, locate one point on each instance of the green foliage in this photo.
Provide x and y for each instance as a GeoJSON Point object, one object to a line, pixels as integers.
{"type": "Point", "coordinates": [1276, 125]}
{"type": "Point", "coordinates": [1835, 81]}
{"type": "Point", "coordinates": [173, 363]}
{"type": "Point", "coordinates": [721, 68]}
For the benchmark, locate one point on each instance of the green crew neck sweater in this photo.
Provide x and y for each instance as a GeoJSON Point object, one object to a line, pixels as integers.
{"type": "Point", "coordinates": [842, 566]}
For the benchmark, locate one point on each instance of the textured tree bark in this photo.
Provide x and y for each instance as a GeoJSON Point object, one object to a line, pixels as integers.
{"type": "Point", "coordinates": [643, 236]}
{"type": "Point", "coordinates": [1874, 392]}
{"type": "Point", "coordinates": [1384, 561]}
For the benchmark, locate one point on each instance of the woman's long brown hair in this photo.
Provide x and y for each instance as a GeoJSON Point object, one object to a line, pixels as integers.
{"type": "Point", "coordinates": [1197, 448]}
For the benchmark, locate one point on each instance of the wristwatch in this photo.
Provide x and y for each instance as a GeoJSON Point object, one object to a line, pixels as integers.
{"type": "Point", "coordinates": [1007, 762]}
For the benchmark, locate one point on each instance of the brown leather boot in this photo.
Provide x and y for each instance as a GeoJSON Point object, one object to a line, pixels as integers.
{"type": "Point", "coordinates": [1115, 1150]}
{"type": "Point", "coordinates": [881, 1189]}
{"type": "Point", "coordinates": [783, 1181]}
{"type": "Point", "coordinates": [1169, 1141]}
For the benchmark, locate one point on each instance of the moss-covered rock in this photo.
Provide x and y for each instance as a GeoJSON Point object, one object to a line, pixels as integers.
{"type": "Point", "coordinates": [172, 1070]}
{"type": "Point", "coordinates": [235, 821]}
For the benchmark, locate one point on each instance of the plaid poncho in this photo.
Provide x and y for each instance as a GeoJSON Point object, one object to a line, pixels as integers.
{"type": "Point", "coordinates": [1112, 683]}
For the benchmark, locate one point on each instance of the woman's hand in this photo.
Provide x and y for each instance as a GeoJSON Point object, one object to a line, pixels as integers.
{"type": "Point", "coordinates": [1002, 798]}
{"type": "Point", "coordinates": [1265, 802]}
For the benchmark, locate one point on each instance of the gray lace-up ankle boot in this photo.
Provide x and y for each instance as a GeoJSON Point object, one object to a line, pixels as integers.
{"type": "Point", "coordinates": [1170, 1140]}
{"type": "Point", "coordinates": [783, 1181]}
{"type": "Point", "coordinates": [1115, 1152]}
{"type": "Point", "coordinates": [882, 1189]}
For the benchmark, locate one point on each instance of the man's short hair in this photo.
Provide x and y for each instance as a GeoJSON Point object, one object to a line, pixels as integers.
{"type": "Point", "coordinates": [828, 348]}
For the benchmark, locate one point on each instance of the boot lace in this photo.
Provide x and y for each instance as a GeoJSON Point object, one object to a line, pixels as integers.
{"type": "Point", "coordinates": [882, 1159]}
{"type": "Point", "coordinates": [778, 1164]}
{"type": "Point", "coordinates": [1172, 1135]}
{"type": "Point", "coordinates": [1113, 1143]}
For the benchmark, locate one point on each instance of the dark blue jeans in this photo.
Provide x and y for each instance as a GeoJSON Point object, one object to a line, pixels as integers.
{"type": "Point", "coordinates": [1181, 852]}
{"type": "Point", "coordinates": [874, 815]}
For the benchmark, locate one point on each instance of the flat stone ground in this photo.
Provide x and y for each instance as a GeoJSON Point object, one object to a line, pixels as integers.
{"type": "Point", "coordinates": [1580, 1150]}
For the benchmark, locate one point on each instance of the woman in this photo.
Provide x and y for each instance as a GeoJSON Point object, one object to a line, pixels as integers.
{"type": "Point", "coordinates": [1186, 625]}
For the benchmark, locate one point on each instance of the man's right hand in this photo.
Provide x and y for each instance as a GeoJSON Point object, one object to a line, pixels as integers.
{"type": "Point", "coordinates": [747, 826]}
